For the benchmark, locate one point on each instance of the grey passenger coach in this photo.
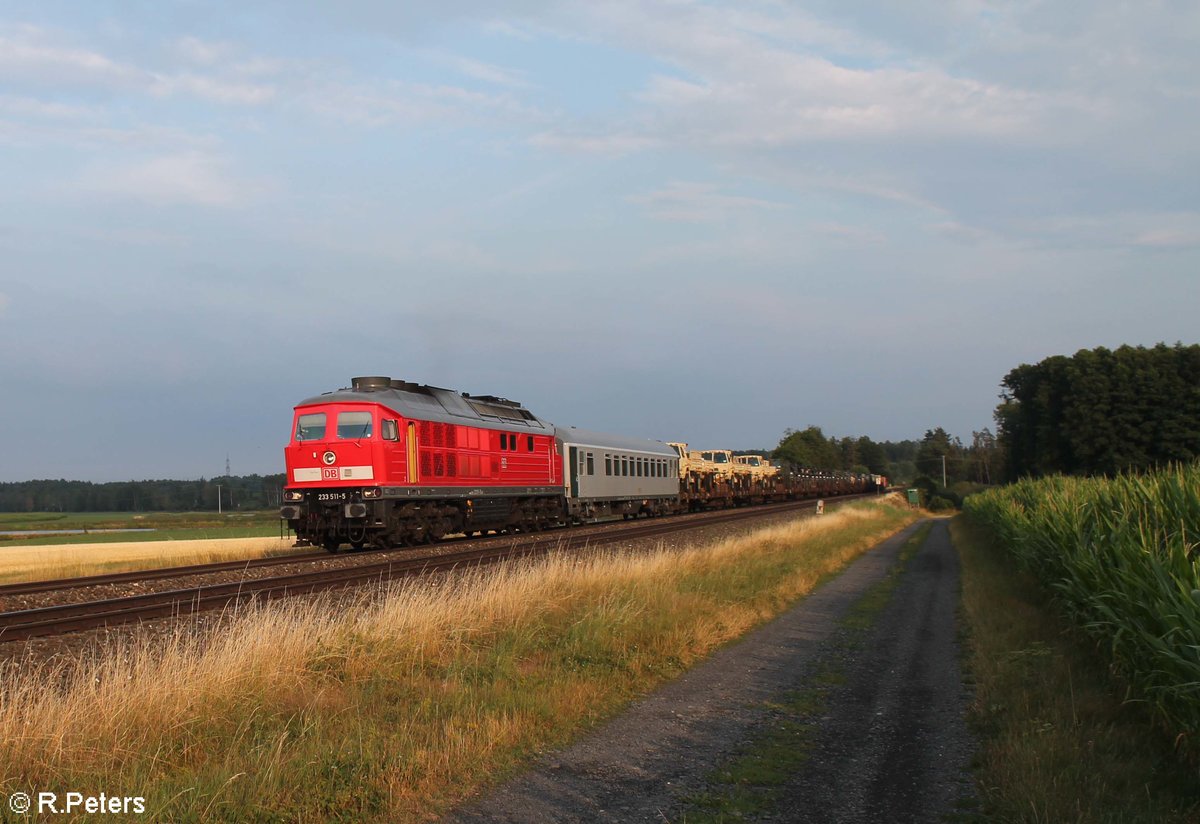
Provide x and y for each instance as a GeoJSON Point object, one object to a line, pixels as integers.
{"type": "Point", "coordinates": [617, 475]}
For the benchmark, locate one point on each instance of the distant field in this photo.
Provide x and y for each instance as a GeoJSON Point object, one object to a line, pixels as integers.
{"type": "Point", "coordinates": [167, 526]}
{"type": "Point", "coordinates": [63, 560]}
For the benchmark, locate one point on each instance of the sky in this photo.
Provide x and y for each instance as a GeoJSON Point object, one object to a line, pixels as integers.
{"type": "Point", "coordinates": [698, 221]}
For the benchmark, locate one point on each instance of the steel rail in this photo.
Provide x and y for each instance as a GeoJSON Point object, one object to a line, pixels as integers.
{"type": "Point", "coordinates": [57, 584]}
{"type": "Point", "coordinates": [24, 624]}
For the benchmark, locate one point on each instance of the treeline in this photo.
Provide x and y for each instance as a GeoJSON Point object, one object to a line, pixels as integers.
{"type": "Point", "coordinates": [237, 492]}
{"type": "Point", "coordinates": [1101, 411]}
{"type": "Point", "coordinates": [980, 462]}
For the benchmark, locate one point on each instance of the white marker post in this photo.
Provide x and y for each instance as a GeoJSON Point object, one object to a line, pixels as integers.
{"type": "Point", "coordinates": [820, 507]}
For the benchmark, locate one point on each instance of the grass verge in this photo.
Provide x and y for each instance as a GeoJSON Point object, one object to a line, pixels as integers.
{"type": "Point", "coordinates": [751, 783]}
{"type": "Point", "coordinates": [396, 707]}
{"type": "Point", "coordinates": [1056, 744]}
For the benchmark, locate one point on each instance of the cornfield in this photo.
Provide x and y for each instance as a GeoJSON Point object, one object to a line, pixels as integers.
{"type": "Point", "coordinates": [1121, 557]}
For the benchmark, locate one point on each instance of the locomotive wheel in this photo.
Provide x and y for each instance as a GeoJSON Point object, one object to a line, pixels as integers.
{"type": "Point", "coordinates": [330, 543]}
{"type": "Point", "coordinates": [358, 544]}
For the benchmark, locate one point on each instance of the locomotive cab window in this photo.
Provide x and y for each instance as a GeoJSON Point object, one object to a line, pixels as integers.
{"type": "Point", "coordinates": [389, 430]}
{"type": "Point", "coordinates": [354, 425]}
{"type": "Point", "coordinates": [310, 427]}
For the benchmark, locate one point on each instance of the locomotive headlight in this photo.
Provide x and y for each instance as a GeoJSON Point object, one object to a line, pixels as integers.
{"type": "Point", "coordinates": [372, 492]}
{"type": "Point", "coordinates": [293, 495]}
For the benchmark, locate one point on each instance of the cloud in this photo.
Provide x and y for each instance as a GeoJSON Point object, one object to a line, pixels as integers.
{"type": "Point", "coordinates": [185, 178]}
{"type": "Point", "coordinates": [1169, 238]}
{"type": "Point", "coordinates": [857, 235]}
{"type": "Point", "coordinates": [25, 53]}
{"type": "Point", "coordinates": [19, 106]}
{"type": "Point", "coordinates": [697, 203]}
{"type": "Point", "coordinates": [203, 52]}
{"type": "Point", "coordinates": [487, 72]}
{"type": "Point", "coordinates": [37, 56]}
{"type": "Point", "coordinates": [393, 102]}
{"type": "Point", "coordinates": [960, 232]}
{"type": "Point", "coordinates": [1154, 230]}
{"type": "Point", "coordinates": [769, 78]}
{"type": "Point", "coordinates": [613, 145]}
{"type": "Point", "coordinates": [217, 90]}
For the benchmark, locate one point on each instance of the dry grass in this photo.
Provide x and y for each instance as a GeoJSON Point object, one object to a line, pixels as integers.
{"type": "Point", "coordinates": [42, 563]}
{"type": "Point", "coordinates": [390, 708]}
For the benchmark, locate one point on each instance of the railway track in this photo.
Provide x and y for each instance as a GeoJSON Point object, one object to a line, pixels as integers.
{"type": "Point", "coordinates": [19, 625]}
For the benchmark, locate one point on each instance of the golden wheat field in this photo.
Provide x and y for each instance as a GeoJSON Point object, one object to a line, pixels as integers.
{"type": "Point", "coordinates": [36, 563]}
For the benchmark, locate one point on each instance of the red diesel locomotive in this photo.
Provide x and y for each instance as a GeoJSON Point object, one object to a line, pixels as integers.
{"type": "Point", "coordinates": [392, 463]}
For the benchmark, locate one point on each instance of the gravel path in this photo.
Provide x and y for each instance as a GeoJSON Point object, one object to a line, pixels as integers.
{"type": "Point", "coordinates": [887, 742]}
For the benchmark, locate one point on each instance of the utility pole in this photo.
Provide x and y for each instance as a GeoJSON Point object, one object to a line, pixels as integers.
{"type": "Point", "coordinates": [943, 472]}
{"type": "Point", "coordinates": [218, 499]}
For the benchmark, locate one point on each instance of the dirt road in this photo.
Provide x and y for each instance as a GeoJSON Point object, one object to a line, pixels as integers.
{"type": "Point", "coordinates": [848, 708]}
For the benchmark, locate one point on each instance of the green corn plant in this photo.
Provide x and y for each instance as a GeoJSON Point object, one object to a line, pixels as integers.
{"type": "Point", "coordinates": [1122, 558]}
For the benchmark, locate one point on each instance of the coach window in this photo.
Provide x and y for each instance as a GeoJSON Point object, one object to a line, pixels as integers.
{"type": "Point", "coordinates": [591, 464]}
{"type": "Point", "coordinates": [608, 465]}
{"type": "Point", "coordinates": [310, 427]}
{"type": "Point", "coordinates": [624, 466]}
{"type": "Point", "coordinates": [354, 425]}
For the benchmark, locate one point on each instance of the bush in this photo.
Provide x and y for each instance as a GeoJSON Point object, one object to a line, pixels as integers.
{"type": "Point", "coordinates": [940, 503]}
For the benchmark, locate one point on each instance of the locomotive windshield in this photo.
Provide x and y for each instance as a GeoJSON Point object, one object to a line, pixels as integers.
{"type": "Point", "coordinates": [354, 425]}
{"type": "Point", "coordinates": [310, 427]}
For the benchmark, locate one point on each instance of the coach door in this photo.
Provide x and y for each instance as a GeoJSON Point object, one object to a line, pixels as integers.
{"type": "Point", "coordinates": [573, 468]}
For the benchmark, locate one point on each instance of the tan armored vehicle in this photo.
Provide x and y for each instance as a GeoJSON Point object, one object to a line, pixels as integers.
{"type": "Point", "coordinates": [722, 462]}
{"type": "Point", "coordinates": [760, 467]}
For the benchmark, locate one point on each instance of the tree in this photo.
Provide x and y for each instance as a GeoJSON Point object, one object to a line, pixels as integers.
{"type": "Point", "coordinates": [872, 456]}
{"type": "Point", "coordinates": [936, 446]}
{"type": "Point", "coordinates": [985, 461]}
{"type": "Point", "coordinates": [808, 448]}
{"type": "Point", "coordinates": [1101, 411]}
